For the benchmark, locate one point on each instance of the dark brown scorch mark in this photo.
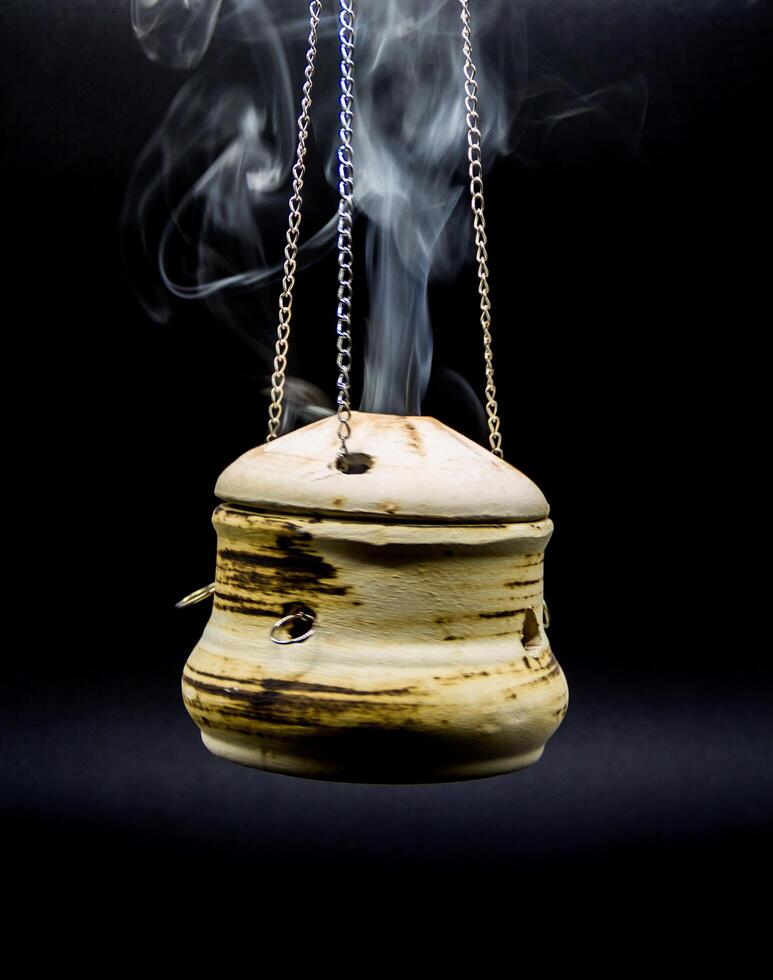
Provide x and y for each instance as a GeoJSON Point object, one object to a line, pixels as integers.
{"type": "Point", "coordinates": [413, 437]}
{"type": "Point", "coordinates": [280, 684]}
{"type": "Point", "coordinates": [278, 706]}
{"type": "Point", "coordinates": [500, 615]}
{"type": "Point", "coordinates": [450, 679]}
{"type": "Point", "coordinates": [290, 566]}
{"type": "Point", "coordinates": [232, 602]}
{"type": "Point", "coordinates": [544, 678]}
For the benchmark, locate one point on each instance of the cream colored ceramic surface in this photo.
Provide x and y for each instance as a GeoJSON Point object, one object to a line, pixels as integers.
{"type": "Point", "coordinates": [422, 470]}
{"type": "Point", "coordinates": [429, 661]}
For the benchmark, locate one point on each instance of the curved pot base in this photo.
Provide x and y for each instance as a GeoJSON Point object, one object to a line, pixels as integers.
{"type": "Point", "coordinates": [279, 757]}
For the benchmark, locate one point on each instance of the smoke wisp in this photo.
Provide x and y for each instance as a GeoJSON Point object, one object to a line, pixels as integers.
{"type": "Point", "coordinates": [206, 209]}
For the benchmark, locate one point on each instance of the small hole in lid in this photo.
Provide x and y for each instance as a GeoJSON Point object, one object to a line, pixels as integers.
{"type": "Point", "coordinates": [354, 463]}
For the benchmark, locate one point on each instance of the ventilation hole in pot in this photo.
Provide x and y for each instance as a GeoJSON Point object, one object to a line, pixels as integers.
{"type": "Point", "coordinates": [531, 636]}
{"type": "Point", "coordinates": [354, 463]}
{"type": "Point", "coordinates": [305, 618]}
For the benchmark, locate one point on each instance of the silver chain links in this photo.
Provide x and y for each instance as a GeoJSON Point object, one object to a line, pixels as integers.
{"type": "Point", "coordinates": [293, 234]}
{"type": "Point", "coordinates": [345, 222]}
{"type": "Point", "coordinates": [474, 156]}
{"type": "Point", "coordinates": [345, 209]}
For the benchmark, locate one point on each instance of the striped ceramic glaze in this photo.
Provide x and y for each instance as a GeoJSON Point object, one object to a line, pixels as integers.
{"type": "Point", "coordinates": [428, 661]}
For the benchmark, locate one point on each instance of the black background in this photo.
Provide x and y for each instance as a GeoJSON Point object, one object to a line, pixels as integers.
{"type": "Point", "coordinates": [625, 280]}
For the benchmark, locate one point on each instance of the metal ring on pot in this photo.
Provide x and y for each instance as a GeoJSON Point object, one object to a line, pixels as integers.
{"type": "Point", "coordinates": [198, 596]}
{"type": "Point", "coordinates": [300, 615]}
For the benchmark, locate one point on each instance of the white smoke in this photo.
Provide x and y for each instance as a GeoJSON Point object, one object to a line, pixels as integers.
{"type": "Point", "coordinates": [206, 210]}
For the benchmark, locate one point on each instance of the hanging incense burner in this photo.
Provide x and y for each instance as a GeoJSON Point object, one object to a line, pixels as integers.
{"type": "Point", "coordinates": [378, 597]}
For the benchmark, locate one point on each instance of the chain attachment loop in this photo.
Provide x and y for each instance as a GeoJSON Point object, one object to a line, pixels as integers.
{"type": "Point", "coordinates": [198, 596]}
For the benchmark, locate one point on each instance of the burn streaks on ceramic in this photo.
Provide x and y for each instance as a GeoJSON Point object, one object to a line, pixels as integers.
{"type": "Point", "coordinates": [428, 661]}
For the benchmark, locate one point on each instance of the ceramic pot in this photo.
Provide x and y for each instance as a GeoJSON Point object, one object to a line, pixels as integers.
{"type": "Point", "coordinates": [383, 625]}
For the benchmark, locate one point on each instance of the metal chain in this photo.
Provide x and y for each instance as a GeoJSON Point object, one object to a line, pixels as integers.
{"type": "Point", "coordinates": [293, 234]}
{"type": "Point", "coordinates": [288, 282]}
{"type": "Point", "coordinates": [345, 209]}
{"type": "Point", "coordinates": [345, 221]}
{"type": "Point", "coordinates": [474, 156]}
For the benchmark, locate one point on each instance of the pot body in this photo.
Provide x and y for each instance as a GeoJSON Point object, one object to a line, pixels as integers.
{"type": "Point", "coordinates": [428, 661]}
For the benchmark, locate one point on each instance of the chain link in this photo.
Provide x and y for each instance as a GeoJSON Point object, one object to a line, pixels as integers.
{"type": "Point", "coordinates": [474, 156]}
{"type": "Point", "coordinates": [345, 209]}
{"type": "Point", "coordinates": [293, 234]}
{"type": "Point", "coordinates": [345, 222]}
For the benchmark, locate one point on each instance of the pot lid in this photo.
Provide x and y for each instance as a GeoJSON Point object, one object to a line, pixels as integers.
{"type": "Point", "coordinates": [418, 469]}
